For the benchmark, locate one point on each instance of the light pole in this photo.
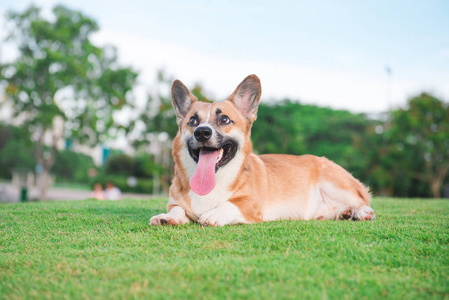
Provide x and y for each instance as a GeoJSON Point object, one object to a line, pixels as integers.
{"type": "Point", "coordinates": [389, 72]}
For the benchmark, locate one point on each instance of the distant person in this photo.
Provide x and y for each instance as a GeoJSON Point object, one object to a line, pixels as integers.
{"type": "Point", "coordinates": [98, 192]}
{"type": "Point", "coordinates": [112, 192]}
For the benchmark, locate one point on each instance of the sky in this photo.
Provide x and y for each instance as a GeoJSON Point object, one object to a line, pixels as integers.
{"type": "Point", "coordinates": [327, 53]}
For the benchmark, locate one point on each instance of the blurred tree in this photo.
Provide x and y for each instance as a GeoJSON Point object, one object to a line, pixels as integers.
{"type": "Point", "coordinates": [61, 85]}
{"type": "Point", "coordinates": [276, 129]}
{"type": "Point", "coordinates": [293, 128]}
{"type": "Point", "coordinates": [420, 135]}
{"type": "Point", "coordinates": [381, 166]}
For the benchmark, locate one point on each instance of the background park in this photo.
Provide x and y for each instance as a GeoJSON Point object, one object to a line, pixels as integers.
{"type": "Point", "coordinates": [76, 111]}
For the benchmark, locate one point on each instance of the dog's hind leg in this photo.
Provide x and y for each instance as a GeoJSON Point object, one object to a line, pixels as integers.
{"type": "Point", "coordinates": [364, 213]}
{"type": "Point", "coordinates": [350, 203]}
{"type": "Point", "coordinates": [347, 213]}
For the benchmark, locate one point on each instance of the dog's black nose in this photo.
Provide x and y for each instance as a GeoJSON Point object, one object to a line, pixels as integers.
{"type": "Point", "coordinates": [202, 134]}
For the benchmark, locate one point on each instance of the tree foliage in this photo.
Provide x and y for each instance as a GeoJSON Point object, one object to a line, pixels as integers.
{"type": "Point", "coordinates": [419, 134]}
{"type": "Point", "coordinates": [293, 128]}
{"type": "Point", "coordinates": [61, 84]}
{"type": "Point", "coordinates": [408, 155]}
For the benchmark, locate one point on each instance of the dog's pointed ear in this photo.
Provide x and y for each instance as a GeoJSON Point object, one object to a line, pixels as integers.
{"type": "Point", "coordinates": [246, 97]}
{"type": "Point", "coordinates": [182, 100]}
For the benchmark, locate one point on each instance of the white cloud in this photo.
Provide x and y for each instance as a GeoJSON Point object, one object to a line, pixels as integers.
{"type": "Point", "coordinates": [357, 92]}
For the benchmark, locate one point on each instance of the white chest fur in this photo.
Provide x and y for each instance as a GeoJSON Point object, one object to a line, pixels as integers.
{"type": "Point", "coordinates": [203, 204]}
{"type": "Point", "coordinates": [224, 178]}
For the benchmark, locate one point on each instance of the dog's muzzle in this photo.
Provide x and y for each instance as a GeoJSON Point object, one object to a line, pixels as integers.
{"type": "Point", "coordinates": [202, 134]}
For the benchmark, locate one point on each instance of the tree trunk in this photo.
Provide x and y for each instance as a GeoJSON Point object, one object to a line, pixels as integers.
{"type": "Point", "coordinates": [44, 184]}
{"type": "Point", "coordinates": [40, 161]}
{"type": "Point", "coordinates": [436, 187]}
{"type": "Point", "coordinates": [45, 162]}
{"type": "Point", "coordinates": [441, 175]}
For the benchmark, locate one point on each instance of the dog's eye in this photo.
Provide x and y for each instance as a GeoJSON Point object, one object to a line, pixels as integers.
{"type": "Point", "coordinates": [225, 119]}
{"type": "Point", "coordinates": [193, 121]}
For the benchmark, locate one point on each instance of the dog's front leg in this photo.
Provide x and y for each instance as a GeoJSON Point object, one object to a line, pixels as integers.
{"type": "Point", "coordinates": [224, 214]}
{"type": "Point", "coordinates": [176, 216]}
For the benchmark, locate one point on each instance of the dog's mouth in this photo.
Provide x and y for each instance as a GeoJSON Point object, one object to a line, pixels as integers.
{"type": "Point", "coordinates": [225, 153]}
{"type": "Point", "coordinates": [208, 162]}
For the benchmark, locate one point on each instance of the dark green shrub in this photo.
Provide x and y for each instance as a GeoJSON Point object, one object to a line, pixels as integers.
{"type": "Point", "coordinates": [72, 166]}
{"type": "Point", "coordinates": [16, 150]}
{"type": "Point", "coordinates": [140, 166]}
{"type": "Point", "coordinates": [15, 154]}
{"type": "Point", "coordinates": [119, 164]}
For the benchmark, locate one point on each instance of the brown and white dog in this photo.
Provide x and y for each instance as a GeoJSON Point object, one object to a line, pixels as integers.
{"type": "Point", "coordinates": [219, 180]}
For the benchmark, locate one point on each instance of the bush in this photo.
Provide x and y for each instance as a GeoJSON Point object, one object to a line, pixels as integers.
{"type": "Point", "coordinates": [16, 151]}
{"type": "Point", "coordinates": [120, 164]}
{"type": "Point", "coordinates": [139, 166]}
{"type": "Point", "coordinates": [72, 166]}
{"type": "Point", "coordinates": [14, 155]}
{"type": "Point", "coordinates": [118, 168]}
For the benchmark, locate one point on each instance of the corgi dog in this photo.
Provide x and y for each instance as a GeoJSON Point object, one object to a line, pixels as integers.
{"type": "Point", "coordinates": [220, 181]}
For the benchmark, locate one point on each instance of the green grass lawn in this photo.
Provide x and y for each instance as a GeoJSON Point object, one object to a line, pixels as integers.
{"type": "Point", "coordinates": [92, 249]}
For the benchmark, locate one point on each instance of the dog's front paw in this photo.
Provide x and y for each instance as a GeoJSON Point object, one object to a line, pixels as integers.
{"type": "Point", "coordinates": [213, 218]}
{"type": "Point", "coordinates": [225, 214]}
{"type": "Point", "coordinates": [165, 219]}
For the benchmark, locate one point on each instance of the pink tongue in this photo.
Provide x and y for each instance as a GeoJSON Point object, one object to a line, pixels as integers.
{"type": "Point", "coordinates": [203, 180]}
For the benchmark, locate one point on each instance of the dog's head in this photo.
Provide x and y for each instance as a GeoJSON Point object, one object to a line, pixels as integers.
{"type": "Point", "coordinates": [213, 133]}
